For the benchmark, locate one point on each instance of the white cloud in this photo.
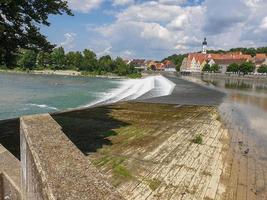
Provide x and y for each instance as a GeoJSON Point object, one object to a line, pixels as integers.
{"type": "Point", "coordinates": [172, 2]}
{"type": "Point", "coordinates": [107, 51]}
{"type": "Point", "coordinates": [158, 28]}
{"type": "Point", "coordinates": [69, 41]}
{"type": "Point", "coordinates": [122, 2]}
{"type": "Point", "coordinates": [179, 22]}
{"type": "Point", "coordinates": [84, 5]}
{"type": "Point", "coordinates": [264, 23]}
{"type": "Point", "coordinates": [153, 29]}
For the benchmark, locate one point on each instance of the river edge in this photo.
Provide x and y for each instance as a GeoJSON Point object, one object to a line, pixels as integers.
{"type": "Point", "coordinates": [66, 73]}
{"type": "Point", "coordinates": [230, 76]}
{"type": "Point", "coordinates": [246, 173]}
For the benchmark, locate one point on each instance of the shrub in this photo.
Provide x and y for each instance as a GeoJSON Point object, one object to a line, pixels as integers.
{"type": "Point", "coordinates": [262, 69]}
{"type": "Point", "coordinates": [214, 68]}
{"type": "Point", "coordinates": [206, 68]}
{"type": "Point", "coordinates": [247, 67]}
{"type": "Point", "coordinates": [233, 68]}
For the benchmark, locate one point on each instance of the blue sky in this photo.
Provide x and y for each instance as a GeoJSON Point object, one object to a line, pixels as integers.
{"type": "Point", "coordinates": [154, 29]}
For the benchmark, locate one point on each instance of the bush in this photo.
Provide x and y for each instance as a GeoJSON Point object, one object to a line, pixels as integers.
{"type": "Point", "coordinates": [233, 68]}
{"type": "Point", "coordinates": [206, 68]}
{"type": "Point", "coordinates": [214, 68]}
{"type": "Point", "coordinates": [262, 69]}
{"type": "Point", "coordinates": [247, 67]}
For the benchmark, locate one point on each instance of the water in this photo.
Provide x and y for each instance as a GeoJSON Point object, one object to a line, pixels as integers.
{"type": "Point", "coordinates": [248, 98]}
{"type": "Point", "coordinates": [22, 94]}
{"type": "Point", "coordinates": [25, 94]}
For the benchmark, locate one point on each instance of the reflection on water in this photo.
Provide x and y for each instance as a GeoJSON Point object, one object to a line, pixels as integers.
{"type": "Point", "coordinates": [248, 92]}
{"type": "Point", "coordinates": [257, 101]}
{"type": "Point", "coordinates": [238, 84]}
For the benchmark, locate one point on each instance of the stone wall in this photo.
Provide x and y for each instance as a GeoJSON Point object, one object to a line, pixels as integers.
{"type": "Point", "coordinates": [9, 176]}
{"type": "Point", "coordinates": [53, 168]}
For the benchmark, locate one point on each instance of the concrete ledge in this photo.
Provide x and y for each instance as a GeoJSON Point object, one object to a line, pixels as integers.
{"type": "Point", "coordinates": [53, 168]}
{"type": "Point", "coordinates": [9, 176]}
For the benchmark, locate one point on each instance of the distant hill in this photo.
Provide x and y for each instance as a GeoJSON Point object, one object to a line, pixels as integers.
{"type": "Point", "coordinates": [250, 51]}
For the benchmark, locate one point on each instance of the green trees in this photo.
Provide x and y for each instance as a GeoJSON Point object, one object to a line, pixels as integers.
{"type": "Point", "coordinates": [43, 60]}
{"type": "Point", "coordinates": [176, 59]}
{"type": "Point", "coordinates": [262, 69]}
{"type": "Point", "coordinates": [89, 61]}
{"type": "Point", "coordinates": [27, 59]}
{"type": "Point", "coordinates": [250, 51]}
{"type": "Point", "coordinates": [212, 68]}
{"type": "Point", "coordinates": [206, 68]}
{"type": "Point", "coordinates": [233, 68]}
{"type": "Point", "coordinates": [73, 60]}
{"type": "Point", "coordinates": [85, 62]}
{"type": "Point", "coordinates": [106, 64]}
{"type": "Point", "coordinates": [246, 67]}
{"type": "Point", "coordinates": [19, 25]}
{"type": "Point", "coordinates": [58, 58]}
{"type": "Point", "coordinates": [121, 68]}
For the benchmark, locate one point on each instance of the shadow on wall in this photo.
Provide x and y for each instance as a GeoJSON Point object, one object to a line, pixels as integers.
{"type": "Point", "coordinates": [9, 136]}
{"type": "Point", "coordinates": [89, 129]}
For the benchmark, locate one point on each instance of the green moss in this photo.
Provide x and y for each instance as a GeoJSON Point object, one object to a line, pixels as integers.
{"type": "Point", "coordinates": [122, 171]}
{"type": "Point", "coordinates": [198, 139]}
{"type": "Point", "coordinates": [101, 161]}
{"type": "Point", "coordinates": [153, 183]}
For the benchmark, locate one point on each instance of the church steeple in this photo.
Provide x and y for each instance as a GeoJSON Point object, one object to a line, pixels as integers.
{"type": "Point", "coordinates": [204, 46]}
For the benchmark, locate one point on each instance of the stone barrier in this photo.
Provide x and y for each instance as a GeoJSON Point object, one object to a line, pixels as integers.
{"type": "Point", "coordinates": [9, 176]}
{"type": "Point", "coordinates": [52, 166]}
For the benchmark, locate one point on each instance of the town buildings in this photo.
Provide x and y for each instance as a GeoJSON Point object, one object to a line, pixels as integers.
{"type": "Point", "coordinates": [195, 62]}
{"type": "Point", "coordinates": [142, 65]}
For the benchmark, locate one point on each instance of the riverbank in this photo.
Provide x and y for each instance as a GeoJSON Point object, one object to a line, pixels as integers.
{"type": "Point", "coordinates": [69, 73]}
{"type": "Point", "coordinates": [229, 76]}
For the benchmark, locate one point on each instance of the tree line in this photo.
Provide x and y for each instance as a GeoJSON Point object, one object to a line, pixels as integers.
{"type": "Point", "coordinates": [85, 61]}
{"type": "Point", "coordinates": [248, 51]}
{"type": "Point", "coordinates": [244, 68]}
{"type": "Point", "coordinates": [177, 59]}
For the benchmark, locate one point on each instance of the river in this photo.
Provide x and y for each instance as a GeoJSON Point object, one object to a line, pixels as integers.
{"type": "Point", "coordinates": [26, 94]}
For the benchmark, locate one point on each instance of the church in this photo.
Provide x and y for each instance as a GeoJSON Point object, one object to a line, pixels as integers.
{"type": "Point", "coordinates": [195, 62]}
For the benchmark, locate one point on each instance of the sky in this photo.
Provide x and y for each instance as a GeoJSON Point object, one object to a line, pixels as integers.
{"type": "Point", "coordinates": [155, 29]}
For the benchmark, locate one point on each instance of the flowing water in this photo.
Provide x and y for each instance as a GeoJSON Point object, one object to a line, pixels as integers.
{"type": "Point", "coordinates": [25, 94]}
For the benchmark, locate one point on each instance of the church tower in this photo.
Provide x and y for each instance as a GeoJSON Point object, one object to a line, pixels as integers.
{"type": "Point", "coordinates": [204, 46]}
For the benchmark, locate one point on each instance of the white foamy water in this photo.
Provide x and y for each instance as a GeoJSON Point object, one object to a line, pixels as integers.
{"type": "Point", "coordinates": [156, 86]}
{"type": "Point", "coordinates": [42, 106]}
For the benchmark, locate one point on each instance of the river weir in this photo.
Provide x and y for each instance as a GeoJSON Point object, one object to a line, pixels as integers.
{"type": "Point", "coordinates": [160, 137]}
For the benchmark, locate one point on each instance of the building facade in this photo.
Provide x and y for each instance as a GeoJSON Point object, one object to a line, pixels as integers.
{"type": "Point", "coordinates": [195, 62]}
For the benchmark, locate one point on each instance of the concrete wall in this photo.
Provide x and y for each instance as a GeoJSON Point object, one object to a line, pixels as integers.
{"type": "Point", "coordinates": [9, 176]}
{"type": "Point", "coordinates": [53, 168]}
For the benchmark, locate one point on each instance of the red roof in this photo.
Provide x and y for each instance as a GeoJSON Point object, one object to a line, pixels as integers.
{"type": "Point", "coordinates": [199, 57]}
{"type": "Point", "coordinates": [260, 56]}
